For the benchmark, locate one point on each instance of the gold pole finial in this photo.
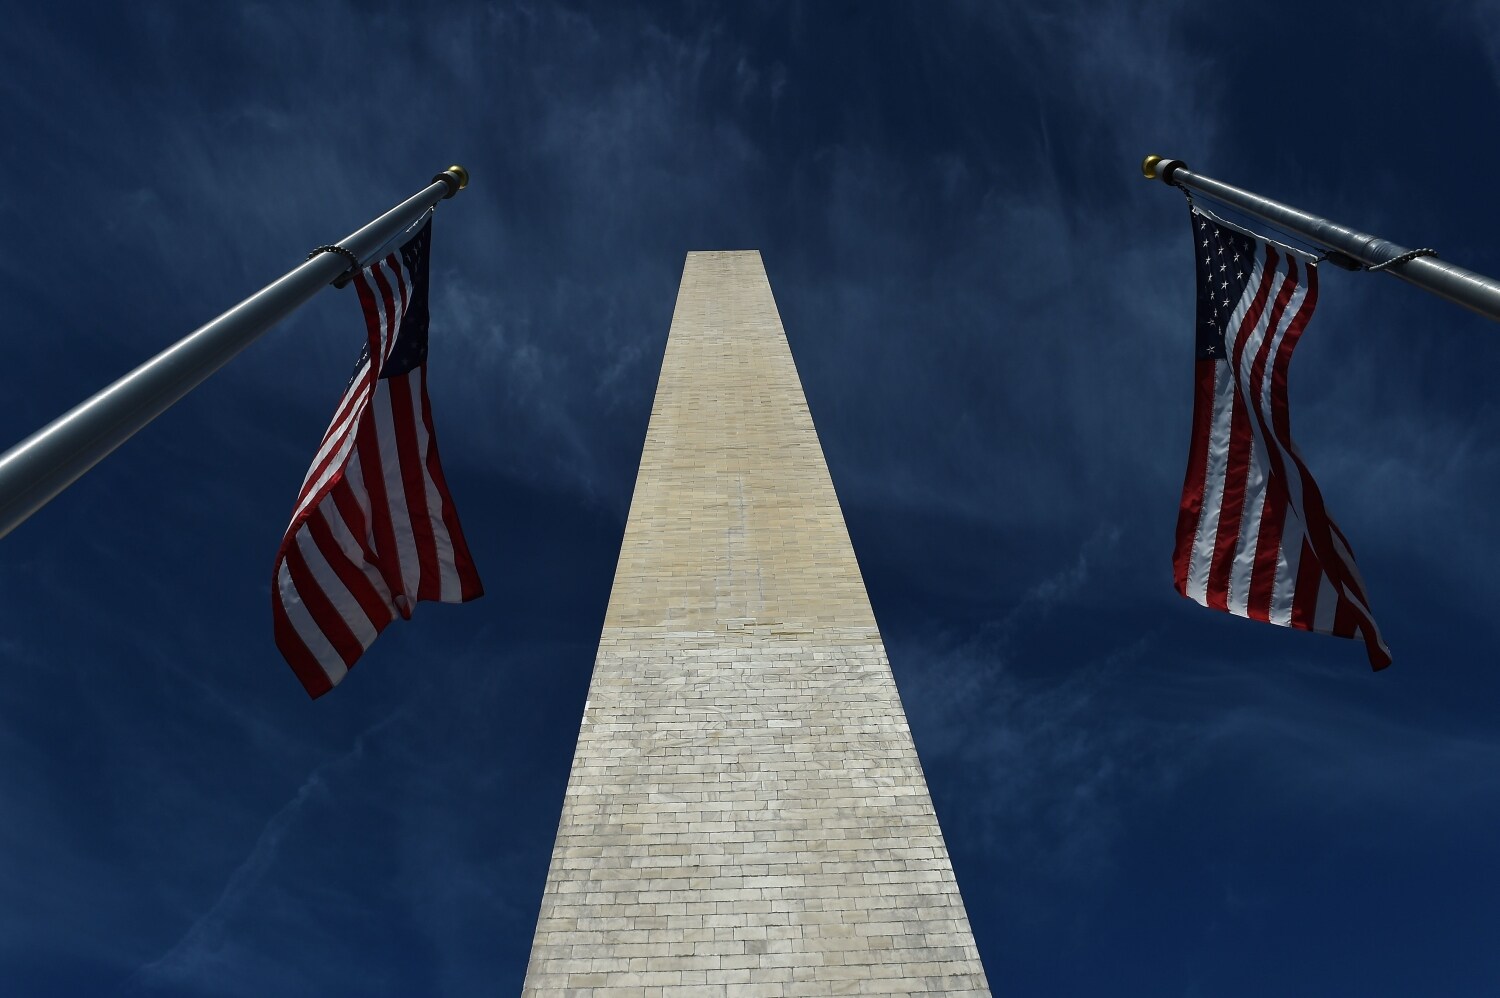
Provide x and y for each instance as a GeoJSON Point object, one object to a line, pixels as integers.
{"type": "Point", "coordinates": [456, 177]}
{"type": "Point", "coordinates": [1148, 167]}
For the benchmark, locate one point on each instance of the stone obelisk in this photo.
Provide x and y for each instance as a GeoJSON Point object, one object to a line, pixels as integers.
{"type": "Point", "coordinates": [745, 814]}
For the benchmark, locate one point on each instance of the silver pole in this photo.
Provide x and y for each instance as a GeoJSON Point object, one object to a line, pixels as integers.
{"type": "Point", "coordinates": [52, 458]}
{"type": "Point", "coordinates": [1463, 287]}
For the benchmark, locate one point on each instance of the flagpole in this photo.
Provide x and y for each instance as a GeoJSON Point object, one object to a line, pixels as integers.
{"type": "Point", "coordinates": [1360, 251]}
{"type": "Point", "coordinates": [39, 467]}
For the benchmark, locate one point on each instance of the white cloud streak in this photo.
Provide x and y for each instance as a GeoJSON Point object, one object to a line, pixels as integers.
{"type": "Point", "coordinates": [199, 957]}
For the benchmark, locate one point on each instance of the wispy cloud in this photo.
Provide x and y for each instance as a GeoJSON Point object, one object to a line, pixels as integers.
{"type": "Point", "coordinates": [200, 955]}
{"type": "Point", "coordinates": [989, 313]}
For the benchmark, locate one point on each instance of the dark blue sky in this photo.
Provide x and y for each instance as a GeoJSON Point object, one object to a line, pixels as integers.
{"type": "Point", "coordinates": [991, 312]}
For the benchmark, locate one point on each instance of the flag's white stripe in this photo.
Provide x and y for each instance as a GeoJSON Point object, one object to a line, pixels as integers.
{"type": "Point", "coordinates": [1236, 319]}
{"type": "Point", "coordinates": [348, 410]}
{"type": "Point", "coordinates": [1345, 555]}
{"type": "Point", "coordinates": [389, 326]}
{"type": "Point", "coordinates": [343, 600]}
{"type": "Point", "coordinates": [403, 284]}
{"type": "Point", "coordinates": [400, 296]}
{"type": "Point", "coordinates": [1257, 479]}
{"type": "Point", "coordinates": [395, 491]}
{"type": "Point", "coordinates": [332, 444]}
{"type": "Point", "coordinates": [1359, 605]}
{"type": "Point", "coordinates": [344, 537]}
{"type": "Point", "coordinates": [1326, 611]}
{"type": "Point", "coordinates": [340, 436]}
{"type": "Point", "coordinates": [383, 320]}
{"type": "Point", "coordinates": [1215, 471]}
{"type": "Point", "coordinates": [1242, 569]}
{"type": "Point", "coordinates": [307, 629]}
{"type": "Point", "coordinates": [1328, 604]}
{"type": "Point", "coordinates": [355, 479]}
{"type": "Point", "coordinates": [1288, 561]}
{"type": "Point", "coordinates": [1292, 478]}
{"type": "Point", "coordinates": [387, 321]}
{"type": "Point", "coordinates": [1265, 434]}
{"type": "Point", "coordinates": [1201, 565]}
{"type": "Point", "coordinates": [367, 280]}
{"type": "Point", "coordinates": [1244, 368]}
{"type": "Point", "coordinates": [1329, 592]}
{"type": "Point", "coordinates": [1250, 338]}
{"type": "Point", "coordinates": [1293, 306]}
{"type": "Point", "coordinates": [395, 314]}
{"type": "Point", "coordinates": [346, 444]}
{"type": "Point", "coordinates": [396, 281]}
{"type": "Point", "coordinates": [356, 386]}
{"type": "Point", "coordinates": [449, 583]}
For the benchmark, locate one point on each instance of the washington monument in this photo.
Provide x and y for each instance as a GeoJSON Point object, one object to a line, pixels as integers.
{"type": "Point", "coordinates": [745, 814]}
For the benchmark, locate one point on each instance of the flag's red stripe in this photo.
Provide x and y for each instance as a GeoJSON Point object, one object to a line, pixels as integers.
{"type": "Point", "coordinates": [374, 328]}
{"type": "Point", "coordinates": [1231, 508]}
{"type": "Point", "coordinates": [343, 424]}
{"type": "Point", "coordinates": [380, 509]}
{"type": "Point", "coordinates": [358, 576]}
{"type": "Point", "coordinates": [1305, 598]}
{"type": "Point", "coordinates": [1258, 363]}
{"type": "Point", "coordinates": [1309, 567]}
{"type": "Point", "coordinates": [1190, 509]}
{"type": "Point", "coordinates": [393, 318]}
{"type": "Point", "coordinates": [1276, 443]}
{"type": "Point", "coordinates": [1345, 619]}
{"type": "Point", "coordinates": [363, 380]}
{"type": "Point", "coordinates": [1355, 583]}
{"type": "Point", "coordinates": [1276, 430]}
{"type": "Point", "coordinates": [352, 400]}
{"type": "Point", "coordinates": [324, 614]}
{"type": "Point", "coordinates": [350, 576]}
{"type": "Point", "coordinates": [1320, 526]}
{"type": "Point", "coordinates": [403, 421]}
{"type": "Point", "coordinates": [1241, 451]}
{"type": "Point", "coordinates": [310, 489]}
{"type": "Point", "coordinates": [402, 282]}
{"type": "Point", "coordinates": [1273, 498]}
{"type": "Point", "coordinates": [354, 518]}
{"type": "Point", "coordinates": [289, 643]}
{"type": "Point", "coordinates": [1281, 420]}
{"type": "Point", "coordinates": [1267, 551]}
{"type": "Point", "coordinates": [468, 576]}
{"type": "Point", "coordinates": [1322, 564]}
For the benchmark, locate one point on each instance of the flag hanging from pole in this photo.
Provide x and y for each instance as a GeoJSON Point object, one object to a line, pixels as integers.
{"type": "Point", "coordinates": [1253, 536]}
{"type": "Point", "coordinates": [374, 528]}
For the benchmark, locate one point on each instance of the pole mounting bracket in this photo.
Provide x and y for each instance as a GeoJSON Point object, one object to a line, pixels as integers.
{"type": "Point", "coordinates": [343, 279]}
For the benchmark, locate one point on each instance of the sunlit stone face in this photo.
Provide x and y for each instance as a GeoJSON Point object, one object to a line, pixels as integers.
{"type": "Point", "coordinates": [746, 814]}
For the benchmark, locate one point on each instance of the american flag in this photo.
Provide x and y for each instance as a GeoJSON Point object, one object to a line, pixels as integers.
{"type": "Point", "coordinates": [1253, 536]}
{"type": "Point", "coordinates": [374, 528]}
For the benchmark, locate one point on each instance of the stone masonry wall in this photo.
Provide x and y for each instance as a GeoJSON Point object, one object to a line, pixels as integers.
{"type": "Point", "coordinates": [746, 814]}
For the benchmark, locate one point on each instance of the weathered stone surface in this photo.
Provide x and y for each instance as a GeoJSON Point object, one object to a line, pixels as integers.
{"type": "Point", "coordinates": [746, 814]}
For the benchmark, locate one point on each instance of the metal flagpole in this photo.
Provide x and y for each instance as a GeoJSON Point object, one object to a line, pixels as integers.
{"type": "Point", "coordinates": [1352, 250]}
{"type": "Point", "coordinates": [52, 458]}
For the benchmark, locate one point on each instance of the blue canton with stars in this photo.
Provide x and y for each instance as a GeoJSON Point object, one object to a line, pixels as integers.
{"type": "Point", "coordinates": [410, 350]}
{"type": "Point", "coordinates": [1225, 258]}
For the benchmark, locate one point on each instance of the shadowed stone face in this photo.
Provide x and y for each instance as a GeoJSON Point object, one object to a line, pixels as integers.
{"type": "Point", "coordinates": [746, 814]}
